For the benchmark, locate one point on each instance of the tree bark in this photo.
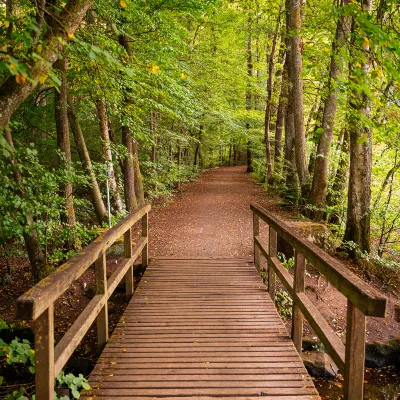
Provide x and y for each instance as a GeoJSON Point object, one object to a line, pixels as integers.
{"type": "Point", "coordinates": [129, 168]}
{"type": "Point", "coordinates": [295, 42]}
{"type": "Point", "coordinates": [103, 125]}
{"type": "Point", "coordinates": [63, 138]}
{"type": "Point", "coordinates": [359, 192]}
{"type": "Point", "coordinates": [270, 81]}
{"type": "Point", "coordinates": [139, 190]}
{"type": "Point", "coordinates": [37, 260]}
{"type": "Point", "coordinates": [95, 194]}
{"type": "Point", "coordinates": [321, 164]}
{"type": "Point", "coordinates": [13, 94]}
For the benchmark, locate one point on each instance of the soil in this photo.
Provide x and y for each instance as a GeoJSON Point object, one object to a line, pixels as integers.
{"type": "Point", "coordinates": [209, 218]}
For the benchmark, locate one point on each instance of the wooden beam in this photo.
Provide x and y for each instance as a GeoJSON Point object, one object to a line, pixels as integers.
{"type": "Point", "coordinates": [129, 284]}
{"type": "Point", "coordinates": [44, 355]}
{"type": "Point", "coordinates": [145, 234]}
{"type": "Point", "coordinates": [353, 388]}
{"type": "Point", "coordinates": [66, 346]}
{"type": "Point", "coordinates": [297, 316]}
{"type": "Point", "coordinates": [273, 251]}
{"type": "Point", "coordinates": [256, 232]}
{"type": "Point", "coordinates": [101, 289]}
{"type": "Point", "coordinates": [363, 296]}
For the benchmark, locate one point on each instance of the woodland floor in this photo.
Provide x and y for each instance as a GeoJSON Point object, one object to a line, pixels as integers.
{"type": "Point", "coordinates": [209, 218]}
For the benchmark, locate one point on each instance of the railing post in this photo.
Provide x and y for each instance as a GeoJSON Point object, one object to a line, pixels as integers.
{"type": "Point", "coordinates": [101, 288]}
{"type": "Point", "coordinates": [297, 316]}
{"type": "Point", "coordinates": [129, 284]}
{"type": "Point", "coordinates": [273, 251]}
{"type": "Point", "coordinates": [355, 354]}
{"type": "Point", "coordinates": [145, 233]}
{"type": "Point", "coordinates": [44, 355]}
{"type": "Point", "coordinates": [256, 232]}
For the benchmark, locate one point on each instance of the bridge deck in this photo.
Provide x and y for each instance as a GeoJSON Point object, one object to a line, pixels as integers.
{"type": "Point", "coordinates": [199, 329]}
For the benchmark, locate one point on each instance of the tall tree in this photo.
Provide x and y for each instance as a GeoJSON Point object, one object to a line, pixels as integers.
{"type": "Point", "coordinates": [296, 65]}
{"type": "Point", "coordinates": [63, 139]}
{"type": "Point", "coordinates": [359, 191]}
{"type": "Point", "coordinates": [321, 163]}
{"type": "Point", "coordinates": [95, 193]}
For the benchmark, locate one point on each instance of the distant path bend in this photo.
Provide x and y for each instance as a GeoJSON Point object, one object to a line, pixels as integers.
{"type": "Point", "coordinates": [211, 218]}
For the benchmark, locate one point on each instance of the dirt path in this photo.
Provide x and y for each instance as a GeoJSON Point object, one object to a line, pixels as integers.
{"type": "Point", "coordinates": [210, 218]}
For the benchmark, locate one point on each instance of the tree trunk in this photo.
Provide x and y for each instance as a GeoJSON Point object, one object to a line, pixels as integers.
{"type": "Point", "coordinates": [153, 134]}
{"type": "Point", "coordinates": [63, 139]}
{"type": "Point", "coordinates": [359, 193]}
{"type": "Point", "coordinates": [37, 260]}
{"type": "Point", "coordinates": [12, 93]}
{"type": "Point", "coordinates": [129, 168]}
{"type": "Point", "coordinates": [295, 42]}
{"type": "Point", "coordinates": [270, 82]}
{"type": "Point", "coordinates": [95, 194]}
{"type": "Point", "coordinates": [139, 190]}
{"type": "Point", "coordinates": [280, 115]}
{"type": "Point", "coordinates": [320, 178]}
{"type": "Point", "coordinates": [197, 151]}
{"type": "Point", "coordinates": [104, 132]}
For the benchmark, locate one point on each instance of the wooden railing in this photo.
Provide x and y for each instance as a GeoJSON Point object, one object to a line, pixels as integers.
{"type": "Point", "coordinates": [362, 300]}
{"type": "Point", "coordinates": [38, 303]}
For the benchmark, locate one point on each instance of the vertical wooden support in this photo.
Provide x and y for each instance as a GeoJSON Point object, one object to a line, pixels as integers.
{"type": "Point", "coordinates": [355, 354]}
{"type": "Point", "coordinates": [129, 284]}
{"type": "Point", "coordinates": [101, 288]}
{"type": "Point", "coordinates": [273, 251]}
{"type": "Point", "coordinates": [145, 233]}
{"type": "Point", "coordinates": [256, 232]}
{"type": "Point", "coordinates": [297, 316]}
{"type": "Point", "coordinates": [44, 355]}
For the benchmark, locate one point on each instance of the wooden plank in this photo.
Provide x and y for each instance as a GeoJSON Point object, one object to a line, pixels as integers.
{"type": "Point", "coordinates": [190, 335]}
{"type": "Point", "coordinates": [256, 232]}
{"type": "Point", "coordinates": [364, 297]}
{"type": "Point", "coordinates": [355, 354]}
{"type": "Point", "coordinates": [101, 289]}
{"type": "Point", "coordinates": [297, 316]}
{"type": "Point", "coordinates": [145, 234]}
{"type": "Point", "coordinates": [44, 355]}
{"type": "Point", "coordinates": [128, 253]}
{"type": "Point", "coordinates": [36, 300]}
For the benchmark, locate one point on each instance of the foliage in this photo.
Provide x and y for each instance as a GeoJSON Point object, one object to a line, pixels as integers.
{"type": "Point", "coordinates": [284, 303]}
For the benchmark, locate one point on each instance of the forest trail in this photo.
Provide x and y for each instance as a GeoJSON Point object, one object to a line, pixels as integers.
{"type": "Point", "coordinates": [210, 218]}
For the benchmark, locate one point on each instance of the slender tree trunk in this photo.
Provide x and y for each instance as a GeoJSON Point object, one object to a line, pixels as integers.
{"type": "Point", "coordinates": [153, 134]}
{"type": "Point", "coordinates": [95, 194]}
{"type": "Point", "coordinates": [270, 81]}
{"type": "Point", "coordinates": [290, 158]}
{"type": "Point", "coordinates": [336, 193]}
{"type": "Point", "coordinates": [280, 115]}
{"type": "Point", "coordinates": [139, 190]}
{"type": "Point", "coordinates": [359, 193]}
{"type": "Point", "coordinates": [320, 178]}
{"type": "Point", "coordinates": [197, 151]}
{"type": "Point", "coordinates": [249, 99]}
{"type": "Point", "coordinates": [129, 168]}
{"type": "Point", "coordinates": [295, 42]}
{"type": "Point", "coordinates": [104, 132]}
{"type": "Point", "coordinates": [37, 260]}
{"type": "Point", "coordinates": [63, 139]}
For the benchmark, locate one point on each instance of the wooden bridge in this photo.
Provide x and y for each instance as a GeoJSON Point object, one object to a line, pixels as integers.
{"type": "Point", "coordinates": [200, 329]}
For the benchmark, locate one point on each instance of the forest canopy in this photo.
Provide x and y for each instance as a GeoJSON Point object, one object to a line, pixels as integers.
{"type": "Point", "coordinates": [138, 96]}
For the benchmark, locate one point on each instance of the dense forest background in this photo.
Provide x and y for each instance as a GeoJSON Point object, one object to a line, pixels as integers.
{"type": "Point", "coordinates": [140, 95]}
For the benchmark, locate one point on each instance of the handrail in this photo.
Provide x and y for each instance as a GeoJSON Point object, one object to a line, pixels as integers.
{"type": "Point", "coordinates": [363, 296]}
{"type": "Point", "coordinates": [362, 299]}
{"type": "Point", "coordinates": [38, 303]}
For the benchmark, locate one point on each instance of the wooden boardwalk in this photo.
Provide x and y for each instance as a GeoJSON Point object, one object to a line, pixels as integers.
{"type": "Point", "coordinates": [200, 329]}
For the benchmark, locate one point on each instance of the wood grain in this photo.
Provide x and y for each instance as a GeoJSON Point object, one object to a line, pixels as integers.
{"type": "Point", "coordinates": [200, 330]}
